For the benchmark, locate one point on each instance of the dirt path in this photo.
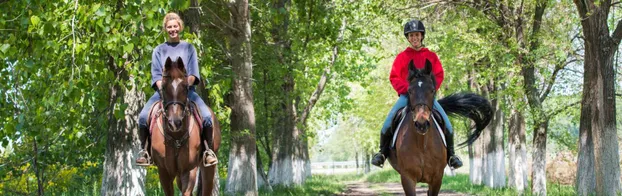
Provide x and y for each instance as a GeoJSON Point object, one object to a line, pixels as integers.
{"type": "Point", "coordinates": [368, 189]}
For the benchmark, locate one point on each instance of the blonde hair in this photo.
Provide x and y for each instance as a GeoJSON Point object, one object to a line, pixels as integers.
{"type": "Point", "coordinates": [173, 16]}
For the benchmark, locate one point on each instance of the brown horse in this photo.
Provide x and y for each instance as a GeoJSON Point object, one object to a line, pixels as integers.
{"type": "Point", "coordinates": [176, 142]}
{"type": "Point", "coordinates": [419, 154]}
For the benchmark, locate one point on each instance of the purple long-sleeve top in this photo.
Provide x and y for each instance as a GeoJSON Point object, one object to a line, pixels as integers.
{"type": "Point", "coordinates": [181, 49]}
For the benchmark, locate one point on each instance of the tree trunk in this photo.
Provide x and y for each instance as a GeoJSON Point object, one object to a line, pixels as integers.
{"type": "Point", "coordinates": [38, 168]}
{"type": "Point", "coordinates": [121, 176]}
{"type": "Point", "coordinates": [518, 152]}
{"type": "Point", "coordinates": [586, 179]}
{"type": "Point", "coordinates": [538, 173]}
{"type": "Point", "coordinates": [448, 171]}
{"type": "Point", "coordinates": [288, 164]}
{"type": "Point", "coordinates": [242, 170]}
{"type": "Point", "coordinates": [494, 166]}
{"type": "Point", "coordinates": [476, 151]}
{"type": "Point", "coordinates": [475, 161]}
{"type": "Point", "coordinates": [288, 159]}
{"type": "Point", "coordinates": [367, 163]}
{"type": "Point", "coordinates": [262, 179]}
{"type": "Point", "coordinates": [192, 17]}
{"type": "Point", "coordinates": [598, 107]}
{"type": "Point", "coordinates": [356, 161]}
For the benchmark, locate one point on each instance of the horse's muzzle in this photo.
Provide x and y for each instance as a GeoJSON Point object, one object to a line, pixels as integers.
{"type": "Point", "coordinates": [421, 118]}
{"type": "Point", "coordinates": [422, 127]}
{"type": "Point", "coordinates": [175, 124]}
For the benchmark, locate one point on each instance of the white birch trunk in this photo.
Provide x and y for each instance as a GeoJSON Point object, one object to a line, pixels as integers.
{"type": "Point", "coordinates": [121, 175]}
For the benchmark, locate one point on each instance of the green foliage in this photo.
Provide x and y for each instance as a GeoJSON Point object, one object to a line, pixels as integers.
{"type": "Point", "coordinates": [292, 46]}
{"type": "Point", "coordinates": [58, 68]}
{"type": "Point", "coordinates": [461, 183]}
{"type": "Point", "coordinates": [56, 75]}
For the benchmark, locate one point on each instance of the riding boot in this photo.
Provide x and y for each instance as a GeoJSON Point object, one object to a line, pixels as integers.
{"type": "Point", "coordinates": [385, 141]}
{"type": "Point", "coordinates": [144, 159]}
{"type": "Point", "coordinates": [209, 157]}
{"type": "Point", "coordinates": [453, 160]}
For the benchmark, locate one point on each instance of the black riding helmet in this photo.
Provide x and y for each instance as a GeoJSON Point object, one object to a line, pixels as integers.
{"type": "Point", "coordinates": [414, 26]}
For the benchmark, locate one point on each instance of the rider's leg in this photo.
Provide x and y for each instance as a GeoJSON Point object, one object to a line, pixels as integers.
{"type": "Point", "coordinates": [385, 137]}
{"type": "Point", "coordinates": [209, 157]}
{"type": "Point", "coordinates": [454, 161]}
{"type": "Point", "coordinates": [144, 159]}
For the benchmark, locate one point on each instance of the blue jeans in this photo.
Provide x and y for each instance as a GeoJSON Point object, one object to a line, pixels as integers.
{"type": "Point", "coordinates": [193, 96]}
{"type": "Point", "coordinates": [402, 102]}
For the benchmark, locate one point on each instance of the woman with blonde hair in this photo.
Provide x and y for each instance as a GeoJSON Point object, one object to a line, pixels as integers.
{"type": "Point", "coordinates": [173, 48]}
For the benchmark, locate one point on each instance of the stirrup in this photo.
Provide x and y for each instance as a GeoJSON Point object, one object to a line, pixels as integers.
{"type": "Point", "coordinates": [206, 154]}
{"type": "Point", "coordinates": [383, 158]}
{"type": "Point", "coordinates": [143, 154]}
{"type": "Point", "coordinates": [451, 163]}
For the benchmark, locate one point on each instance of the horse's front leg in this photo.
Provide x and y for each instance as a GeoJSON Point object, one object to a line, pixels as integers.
{"type": "Point", "coordinates": [187, 181]}
{"type": "Point", "coordinates": [434, 187]}
{"type": "Point", "coordinates": [208, 175]}
{"type": "Point", "coordinates": [166, 181]}
{"type": "Point", "coordinates": [408, 185]}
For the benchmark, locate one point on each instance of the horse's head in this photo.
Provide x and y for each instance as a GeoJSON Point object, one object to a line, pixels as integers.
{"type": "Point", "coordinates": [421, 91]}
{"type": "Point", "coordinates": [175, 90]}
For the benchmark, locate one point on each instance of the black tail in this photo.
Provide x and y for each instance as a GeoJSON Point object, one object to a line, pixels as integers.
{"type": "Point", "coordinates": [472, 106]}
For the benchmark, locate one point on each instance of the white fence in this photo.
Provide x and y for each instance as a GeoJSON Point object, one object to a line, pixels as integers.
{"type": "Point", "coordinates": [338, 167]}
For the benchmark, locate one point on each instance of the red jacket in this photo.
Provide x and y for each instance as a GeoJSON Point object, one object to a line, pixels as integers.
{"type": "Point", "coordinates": [399, 72]}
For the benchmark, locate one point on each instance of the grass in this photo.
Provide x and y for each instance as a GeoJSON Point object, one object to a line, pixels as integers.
{"type": "Point", "coordinates": [335, 184]}
{"type": "Point", "coordinates": [316, 185]}
{"type": "Point", "coordinates": [461, 183]}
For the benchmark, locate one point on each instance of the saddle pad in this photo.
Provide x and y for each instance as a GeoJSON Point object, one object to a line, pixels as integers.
{"type": "Point", "coordinates": [197, 114]}
{"type": "Point", "coordinates": [154, 116]}
{"type": "Point", "coordinates": [403, 116]}
{"type": "Point", "coordinates": [156, 111]}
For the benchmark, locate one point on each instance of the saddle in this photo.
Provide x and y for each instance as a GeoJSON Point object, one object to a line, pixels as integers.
{"type": "Point", "coordinates": [156, 111]}
{"type": "Point", "coordinates": [399, 119]}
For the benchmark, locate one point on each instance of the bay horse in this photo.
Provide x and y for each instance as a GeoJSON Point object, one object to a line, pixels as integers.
{"type": "Point", "coordinates": [176, 140]}
{"type": "Point", "coordinates": [420, 154]}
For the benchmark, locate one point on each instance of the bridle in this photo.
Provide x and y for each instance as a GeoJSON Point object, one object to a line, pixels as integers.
{"type": "Point", "coordinates": [177, 143]}
{"type": "Point", "coordinates": [175, 102]}
{"type": "Point", "coordinates": [414, 116]}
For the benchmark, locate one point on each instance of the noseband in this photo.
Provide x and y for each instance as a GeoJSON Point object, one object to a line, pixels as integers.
{"type": "Point", "coordinates": [414, 119]}
{"type": "Point", "coordinates": [183, 105]}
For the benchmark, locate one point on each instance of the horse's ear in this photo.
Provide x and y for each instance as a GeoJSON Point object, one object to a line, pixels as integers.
{"type": "Point", "coordinates": [168, 64]}
{"type": "Point", "coordinates": [412, 70]}
{"type": "Point", "coordinates": [180, 65]}
{"type": "Point", "coordinates": [428, 67]}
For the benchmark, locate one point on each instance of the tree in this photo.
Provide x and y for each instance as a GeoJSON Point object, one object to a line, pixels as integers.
{"type": "Point", "coordinates": [513, 21]}
{"type": "Point", "coordinates": [242, 172]}
{"type": "Point", "coordinates": [302, 60]}
{"type": "Point", "coordinates": [598, 143]}
{"type": "Point", "coordinates": [72, 61]}
{"type": "Point", "coordinates": [517, 176]}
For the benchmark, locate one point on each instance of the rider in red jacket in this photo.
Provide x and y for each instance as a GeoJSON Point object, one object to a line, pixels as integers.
{"type": "Point", "coordinates": [399, 72]}
{"type": "Point", "coordinates": [415, 33]}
